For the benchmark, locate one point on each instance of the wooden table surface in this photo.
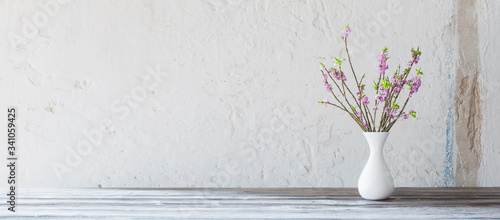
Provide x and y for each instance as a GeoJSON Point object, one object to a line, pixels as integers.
{"type": "Point", "coordinates": [284, 203]}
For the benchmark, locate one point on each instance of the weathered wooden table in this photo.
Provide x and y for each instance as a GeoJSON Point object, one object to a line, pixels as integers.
{"type": "Point", "coordinates": [288, 203]}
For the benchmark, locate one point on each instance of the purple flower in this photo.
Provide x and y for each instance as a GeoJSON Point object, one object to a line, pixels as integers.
{"type": "Point", "coordinates": [415, 58]}
{"type": "Point", "coordinates": [415, 84]}
{"type": "Point", "coordinates": [379, 98]}
{"type": "Point", "coordinates": [405, 116]}
{"type": "Point", "coordinates": [382, 67]}
{"type": "Point", "coordinates": [336, 74]}
{"type": "Point", "coordinates": [339, 75]}
{"type": "Point", "coordinates": [382, 96]}
{"type": "Point", "coordinates": [362, 97]}
{"type": "Point", "coordinates": [365, 100]}
{"type": "Point", "coordinates": [328, 86]}
{"type": "Point", "coordinates": [393, 113]}
{"type": "Point", "coordinates": [358, 115]}
{"type": "Point", "coordinates": [346, 33]}
{"type": "Point", "coordinates": [393, 80]}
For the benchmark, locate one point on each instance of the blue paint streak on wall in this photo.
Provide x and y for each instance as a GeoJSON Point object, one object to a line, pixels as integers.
{"type": "Point", "coordinates": [450, 130]}
{"type": "Point", "coordinates": [450, 136]}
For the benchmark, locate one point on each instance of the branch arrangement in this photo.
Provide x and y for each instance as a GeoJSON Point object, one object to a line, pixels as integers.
{"type": "Point", "coordinates": [389, 90]}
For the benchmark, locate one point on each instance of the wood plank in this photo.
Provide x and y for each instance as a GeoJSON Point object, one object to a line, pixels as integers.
{"type": "Point", "coordinates": [287, 203]}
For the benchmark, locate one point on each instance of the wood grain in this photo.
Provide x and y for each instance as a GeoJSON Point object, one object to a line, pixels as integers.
{"type": "Point", "coordinates": [284, 203]}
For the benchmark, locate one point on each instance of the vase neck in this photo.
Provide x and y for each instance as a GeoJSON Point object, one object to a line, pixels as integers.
{"type": "Point", "coordinates": [376, 140]}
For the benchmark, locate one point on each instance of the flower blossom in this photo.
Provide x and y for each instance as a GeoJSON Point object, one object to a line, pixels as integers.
{"type": "Point", "coordinates": [362, 97]}
{"type": "Point", "coordinates": [347, 32]}
{"type": "Point", "coordinates": [381, 97]}
{"type": "Point", "coordinates": [414, 83]}
{"type": "Point", "coordinates": [358, 115]}
{"type": "Point", "coordinates": [393, 113]}
{"type": "Point", "coordinates": [365, 100]}
{"type": "Point", "coordinates": [398, 83]}
{"type": "Point", "coordinates": [382, 67]}
{"type": "Point", "coordinates": [415, 57]}
{"type": "Point", "coordinates": [325, 102]}
{"type": "Point", "coordinates": [328, 86]}
{"type": "Point", "coordinates": [339, 75]}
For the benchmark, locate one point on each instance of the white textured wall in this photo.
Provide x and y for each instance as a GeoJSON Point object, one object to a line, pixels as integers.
{"type": "Point", "coordinates": [222, 93]}
{"type": "Point", "coordinates": [489, 45]}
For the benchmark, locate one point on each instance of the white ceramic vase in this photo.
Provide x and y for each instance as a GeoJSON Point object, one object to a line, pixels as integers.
{"type": "Point", "coordinates": [375, 182]}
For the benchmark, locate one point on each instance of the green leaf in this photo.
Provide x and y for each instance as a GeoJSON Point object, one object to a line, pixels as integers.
{"type": "Point", "coordinates": [338, 61]}
{"type": "Point", "coordinates": [419, 72]}
{"type": "Point", "coordinates": [413, 114]}
{"type": "Point", "coordinates": [386, 83]}
{"type": "Point", "coordinates": [385, 50]}
{"type": "Point", "coordinates": [320, 102]}
{"type": "Point", "coordinates": [376, 85]}
{"type": "Point", "coordinates": [394, 105]}
{"type": "Point", "coordinates": [406, 70]}
{"type": "Point", "coordinates": [322, 64]}
{"type": "Point", "coordinates": [410, 85]}
{"type": "Point", "coordinates": [416, 52]}
{"type": "Point", "coordinates": [362, 86]}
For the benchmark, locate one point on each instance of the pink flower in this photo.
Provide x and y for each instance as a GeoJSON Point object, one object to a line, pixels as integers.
{"type": "Point", "coordinates": [336, 74]}
{"type": "Point", "coordinates": [393, 113]}
{"type": "Point", "coordinates": [346, 33]}
{"type": "Point", "coordinates": [415, 58]}
{"type": "Point", "coordinates": [339, 75]}
{"type": "Point", "coordinates": [415, 84]}
{"type": "Point", "coordinates": [382, 96]}
{"type": "Point", "coordinates": [328, 86]}
{"type": "Point", "coordinates": [362, 97]}
{"type": "Point", "coordinates": [382, 58]}
{"type": "Point", "coordinates": [359, 115]}
{"type": "Point", "coordinates": [343, 77]}
{"type": "Point", "coordinates": [325, 102]}
{"type": "Point", "coordinates": [365, 100]}
{"type": "Point", "coordinates": [405, 116]}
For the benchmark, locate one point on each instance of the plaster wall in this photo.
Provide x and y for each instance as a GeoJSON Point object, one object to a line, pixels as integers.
{"type": "Point", "coordinates": [223, 93]}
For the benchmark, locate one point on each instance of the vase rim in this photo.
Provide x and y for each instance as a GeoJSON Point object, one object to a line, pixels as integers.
{"type": "Point", "coordinates": [376, 132]}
